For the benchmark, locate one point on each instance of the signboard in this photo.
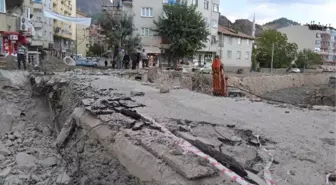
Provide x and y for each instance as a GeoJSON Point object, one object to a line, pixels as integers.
{"type": "Point", "coordinates": [13, 37]}
{"type": "Point", "coordinates": [38, 1]}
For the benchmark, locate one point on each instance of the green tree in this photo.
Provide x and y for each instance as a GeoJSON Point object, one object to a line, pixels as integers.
{"type": "Point", "coordinates": [184, 28]}
{"type": "Point", "coordinates": [306, 58]}
{"type": "Point", "coordinates": [119, 30]}
{"type": "Point", "coordinates": [284, 51]}
{"type": "Point", "coordinates": [96, 50]}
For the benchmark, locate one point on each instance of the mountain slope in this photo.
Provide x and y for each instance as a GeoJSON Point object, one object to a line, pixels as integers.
{"type": "Point", "coordinates": [242, 25]}
{"type": "Point", "coordinates": [280, 23]}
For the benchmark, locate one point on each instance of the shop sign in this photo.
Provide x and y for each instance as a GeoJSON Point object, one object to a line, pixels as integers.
{"type": "Point", "coordinates": [13, 37]}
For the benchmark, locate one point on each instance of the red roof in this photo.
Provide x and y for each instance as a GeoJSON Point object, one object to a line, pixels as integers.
{"type": "Point", "coordinates": [233, 33]}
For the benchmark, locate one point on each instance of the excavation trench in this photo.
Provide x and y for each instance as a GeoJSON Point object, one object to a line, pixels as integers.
{"type": "Point", "coordinates": [31, 120]}
{"type": "Point", "coordinates": [147, 148]}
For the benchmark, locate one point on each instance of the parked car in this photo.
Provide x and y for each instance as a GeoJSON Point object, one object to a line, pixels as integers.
{"type": "Point", "coordinates": [206, 69]}
{"type": "Point", "coordinates": [86, 63]}
{"type": "Point", "coordinates": [294, 70]}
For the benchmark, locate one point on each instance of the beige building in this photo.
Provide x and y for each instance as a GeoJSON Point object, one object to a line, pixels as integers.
{"type": "Point", "coordinates": [82, 32]}
{"type": "Point", "coordinates": [64, 32]}
{"type": "Point", "coordinates": [317, 38]}
{"type": "Point", "coordinates": [146, 11]}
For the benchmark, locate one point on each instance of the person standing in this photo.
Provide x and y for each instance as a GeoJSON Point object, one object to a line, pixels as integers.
{"type": "Point", "coordinates": [134, 59]}
{"type": "Point", "coordinates": [120, 58]}
{"type": "Point", "coordinates": [144, 58]}
{"type": "Point", "coordinates": [21, 56]}
{"type": "Point", "coordinates": [219, 79]}
{"type": "Point", "coordinates": [126, 60]}
{"type": "Point", "coordinates": [106, 63]}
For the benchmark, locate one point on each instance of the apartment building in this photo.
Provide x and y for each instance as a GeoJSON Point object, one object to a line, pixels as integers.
{"type": "Point", "coordinates": [82, 40]}
{"type": "Point", "coordinates": [10, 31]}
{"type": "Point", "coordinates": [321, 39]}
{"type": "Point", "coordinates": [43, 26]}
{"type": "Point", "coordinates": [64, 32]}
{"type": "Point", "coordinates": [234, 49]}
{"type": "Point", "coordinates": [146, 11]}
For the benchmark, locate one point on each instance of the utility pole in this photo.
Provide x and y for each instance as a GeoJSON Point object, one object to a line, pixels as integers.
{"type": "Point", "coordinates": [272, 57]}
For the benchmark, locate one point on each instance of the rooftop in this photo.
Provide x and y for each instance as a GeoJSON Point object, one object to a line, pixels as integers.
{"type": "Point", "coordinates": [233, 32]}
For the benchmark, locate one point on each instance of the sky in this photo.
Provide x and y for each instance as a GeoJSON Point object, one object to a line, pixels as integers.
{"type": "Point", "coordinates": [302, 11]}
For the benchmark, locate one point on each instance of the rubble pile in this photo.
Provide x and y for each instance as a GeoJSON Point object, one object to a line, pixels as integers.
{"type": "Point", "coordinates": [27, 147]}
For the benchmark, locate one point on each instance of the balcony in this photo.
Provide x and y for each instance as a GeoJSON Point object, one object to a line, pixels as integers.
{"type": "Point", "coordinates": [37, 6]}
{"type": "Point", "coordinates": [37, 24]}
{"type": "Point", "coordinates": [127, 2]}
{"type": "Point", "coordinates": [36, 43]}
{"type": "Point", "coordinates": [11, 4]}
{"type": "Point", "coordinates": [8, 22]}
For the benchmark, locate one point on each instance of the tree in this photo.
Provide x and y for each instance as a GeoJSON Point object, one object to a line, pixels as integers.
{"type": "Point", "coordinates": [184, 28]}
{"type": "Point", "coordinates": [119, 30]}
{"type": "Point", "coordinates": [306, 58]}
{"type": "Point", "coordinates": [96, 50]}
{"type": "Point", "coordinates": [284, 51]}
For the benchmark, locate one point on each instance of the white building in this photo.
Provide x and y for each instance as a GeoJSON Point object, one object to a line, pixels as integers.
{"type": "Point", "coordinates": [146, 11]}
{"type": "Point", "coordinates": [235, 49]}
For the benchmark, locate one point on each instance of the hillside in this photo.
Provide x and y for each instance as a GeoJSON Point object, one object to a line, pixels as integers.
{"type": "Point", "coordinates": [245, 25]}
{"type": "Point", "coordinates": [91, 7]}
{"type": "Point", "coordinates": [280, 23]}
{"type": "Point", "coordinates": [242, 25]}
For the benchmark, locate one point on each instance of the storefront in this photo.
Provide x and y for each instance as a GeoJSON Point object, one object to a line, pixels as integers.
{"type": "Point", "coordinates": [9, 42]}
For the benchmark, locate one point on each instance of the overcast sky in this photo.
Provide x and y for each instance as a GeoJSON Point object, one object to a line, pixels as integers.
{"type": "Point", "coordinates": [302, 11]}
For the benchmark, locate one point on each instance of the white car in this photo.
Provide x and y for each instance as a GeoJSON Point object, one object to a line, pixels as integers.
{"type": "Point", "coordinates": [295, 70]}
{"type": "Point", "coordinates": [206, 69]}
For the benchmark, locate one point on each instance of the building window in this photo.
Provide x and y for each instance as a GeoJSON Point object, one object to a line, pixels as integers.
{"type": "Point", "coordinates": [318, 35]}
{"type": "Point", "coordinates": [3, 6]}
{"type": "Point", "coordinates": [239, 41]}
{"type": "Point", "coordinates": [146, 32]}
{"type": "Point", "coordinates": [214, 23]}
{"type": "Point", "coordinates": [213, 39]}
{"type": "Point", "coordinates": [147, 12]}
{"type": "Point", "coordinates": [194, 2]}
{"type": "Point", "coordinates": [206, 5]}
{"type": "Point", "coordinates": [248, 42]}
{"type": "Point", "coordinates": [229, 54]}
{"type": "Point", "coordinates": [230, 40]}
{"type": "Point", "coordinates": [215, 8]}
{"type": "Point", "coordinates": [247, 56]}
{"type": "Point", "coordinates": [317, 42]}
{"type": "Point", "coordinates": [238, 54]}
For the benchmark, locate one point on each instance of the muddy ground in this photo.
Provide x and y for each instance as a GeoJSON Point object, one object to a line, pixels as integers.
{"type": "Point", "coordinates": [27, 152]}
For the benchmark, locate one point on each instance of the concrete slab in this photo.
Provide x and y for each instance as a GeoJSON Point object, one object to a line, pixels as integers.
{"type": "Point", "coordinates": [140, 161]}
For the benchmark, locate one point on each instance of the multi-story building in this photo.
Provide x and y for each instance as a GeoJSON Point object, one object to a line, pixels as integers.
{"type": "Point", "coordinates": [235, 49]}
{"type": "Point", "coordinates": [10, 31]}
{"type": "Point", "coordinates": [146, 11]}
{"type": "Point", "coordinates": [82, 32]}
{"type": "Point", "coordinates": [95, 34]}
{"type": "Point", "coordinates": [42, 28]}
{"type": "Point", "coordinates": [64, 32]}
{"type": "Point", "coordinates": [321, 39]}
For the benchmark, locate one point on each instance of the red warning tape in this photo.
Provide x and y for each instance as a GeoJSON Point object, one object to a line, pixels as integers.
{"type": "Point", "coordinates": [225, 171]}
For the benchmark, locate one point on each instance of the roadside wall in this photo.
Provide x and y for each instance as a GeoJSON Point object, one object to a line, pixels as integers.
{"type": "Point", "coordinates": [264, 84]}
{"type": "Point", "coordinates": [257, 84]}
{"type": "Point", "coordinates": [283, 70]}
